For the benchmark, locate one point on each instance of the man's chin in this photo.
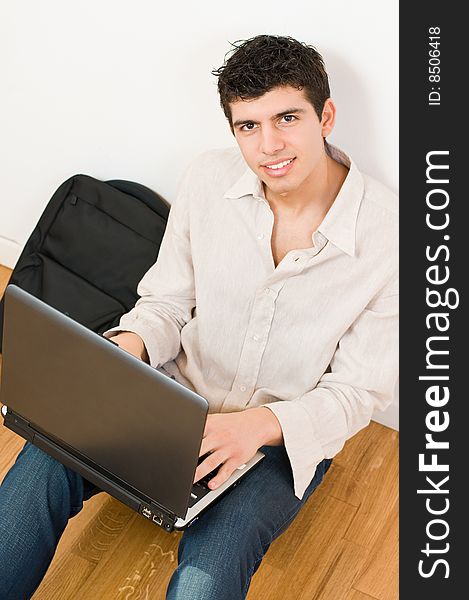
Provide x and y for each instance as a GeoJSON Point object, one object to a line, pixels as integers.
{"type": "Point", "coordinates": [280, 187]}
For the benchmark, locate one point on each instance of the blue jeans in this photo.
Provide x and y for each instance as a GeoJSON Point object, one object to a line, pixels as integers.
{"type": "Point", "coordinates": [217, 555]}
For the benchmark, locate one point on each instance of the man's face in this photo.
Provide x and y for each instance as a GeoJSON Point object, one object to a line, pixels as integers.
{"type": "Point", "coordinates": [281, 126]}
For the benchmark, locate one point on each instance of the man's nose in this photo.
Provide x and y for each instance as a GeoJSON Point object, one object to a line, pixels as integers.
{"type": "Point", "coordinates": [271, 141]}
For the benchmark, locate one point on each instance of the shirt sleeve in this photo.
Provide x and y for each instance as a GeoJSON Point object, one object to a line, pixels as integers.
{"type": "Point", "coordinates": [167, 291]}
{"type": "Point", "coordinates": [363, 374]}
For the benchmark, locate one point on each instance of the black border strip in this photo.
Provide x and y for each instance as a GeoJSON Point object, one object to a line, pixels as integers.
{"type": "Point", "coordinates": [433, 298]}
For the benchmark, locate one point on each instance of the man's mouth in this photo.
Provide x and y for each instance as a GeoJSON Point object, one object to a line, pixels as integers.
{"type": "Point", "coordinates": [279, 168]}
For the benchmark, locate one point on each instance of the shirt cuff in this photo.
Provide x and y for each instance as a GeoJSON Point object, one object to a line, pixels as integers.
{"type": "Point", "coordinates": [144, 331]}
{"type": "Point", "coordinates": [303, 449]}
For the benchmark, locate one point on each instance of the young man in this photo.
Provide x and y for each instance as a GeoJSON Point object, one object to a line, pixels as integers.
{"type": "Point", "coordinates": [274, 296]}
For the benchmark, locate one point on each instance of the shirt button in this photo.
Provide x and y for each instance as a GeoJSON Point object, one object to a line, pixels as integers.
{"type": "Point", "coordinates": [267, 290]}
{"type": "Point", "coordinates": [255, 337]}
{"type": "Point", "coordinates": [242, 388]}
{"type": "Point", "coordinates": [260, 236]}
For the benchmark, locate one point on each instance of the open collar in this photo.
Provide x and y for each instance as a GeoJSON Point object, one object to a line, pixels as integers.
{"type": "Point", "coordinates": [339, 224]}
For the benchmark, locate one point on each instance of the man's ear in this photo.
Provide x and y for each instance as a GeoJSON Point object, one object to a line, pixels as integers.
{"type": "Point", "coordinates": [328, 117]}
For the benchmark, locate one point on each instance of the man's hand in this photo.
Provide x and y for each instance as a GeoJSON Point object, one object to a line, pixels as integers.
{"type": "Point", "coordinates": [132, 343]}
{"type": "Point", "coordinates": [233, 439]}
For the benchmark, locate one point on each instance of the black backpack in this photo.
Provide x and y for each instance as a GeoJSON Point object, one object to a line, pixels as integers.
{"type": "Point", "coordinates": [91, 246]}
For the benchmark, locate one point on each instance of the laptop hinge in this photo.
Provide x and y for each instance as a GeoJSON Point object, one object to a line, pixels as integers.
{"type": "Point", "coordinates": [18, 425]}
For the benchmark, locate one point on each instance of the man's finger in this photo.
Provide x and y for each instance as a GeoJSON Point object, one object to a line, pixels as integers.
{"type": "Point", "coordinates": [209, 464]}
{"type": "Point", "coordinates": [223, 474]}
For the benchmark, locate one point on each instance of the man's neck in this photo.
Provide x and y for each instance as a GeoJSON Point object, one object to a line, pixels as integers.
{"type": "Point", "coordinates": [317, 194]}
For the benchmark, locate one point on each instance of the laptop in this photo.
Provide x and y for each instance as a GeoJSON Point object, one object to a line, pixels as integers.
{"type": "Point", "coordinates": [123, 425]}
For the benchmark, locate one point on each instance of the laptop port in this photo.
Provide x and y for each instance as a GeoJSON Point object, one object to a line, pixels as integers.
{"type": "Point", "coordinates": [157, 519]}
{"type": "Point", "coordinates": [146, 512]}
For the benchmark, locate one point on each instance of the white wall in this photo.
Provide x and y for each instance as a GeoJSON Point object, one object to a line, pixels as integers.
{"type": "Point", "coordinates": [119, 89]}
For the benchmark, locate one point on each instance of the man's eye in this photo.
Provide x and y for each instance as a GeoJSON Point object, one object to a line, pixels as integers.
{"type": "Point", "coordinates": [289, 118]}
{"type": "Point", "coordinates": [250, 127]}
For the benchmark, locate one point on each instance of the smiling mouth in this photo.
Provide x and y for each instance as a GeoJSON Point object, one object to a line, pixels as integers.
{"type": "Point", "coordinates": [278, 164]}
{"type": "Point", "coordinates": [279, 168]}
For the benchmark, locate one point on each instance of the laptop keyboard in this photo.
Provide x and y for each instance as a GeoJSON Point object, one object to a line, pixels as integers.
{"type": "Point", "coordinates": [200, 488]}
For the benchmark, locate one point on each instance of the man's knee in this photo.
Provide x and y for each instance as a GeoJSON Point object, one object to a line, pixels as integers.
{"type": "Point", "coordinates": [36, 473]}
{"type": "Point", "coordinates": [39, 462]}
{"type": "Point", "coordinates": [194, 582]}
{"type": "Point", "coordinates": [213, 563]}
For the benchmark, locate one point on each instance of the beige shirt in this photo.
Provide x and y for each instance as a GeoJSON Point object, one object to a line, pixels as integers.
{"type": "Point", "coordinates": [314, 339]}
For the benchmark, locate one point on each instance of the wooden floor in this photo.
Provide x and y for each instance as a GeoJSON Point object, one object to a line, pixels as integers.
{"type": "Point", "coordinates": [342, 546]}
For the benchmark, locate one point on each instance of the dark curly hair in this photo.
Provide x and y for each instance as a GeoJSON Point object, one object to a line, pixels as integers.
{"type": "Point", "coordinates": [264, 62]}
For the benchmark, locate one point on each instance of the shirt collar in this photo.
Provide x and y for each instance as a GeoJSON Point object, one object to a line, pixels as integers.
{"type": "Point", "coordinates": [339, 224]}
{"type": "Point", "coordinates": [248, 184]}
